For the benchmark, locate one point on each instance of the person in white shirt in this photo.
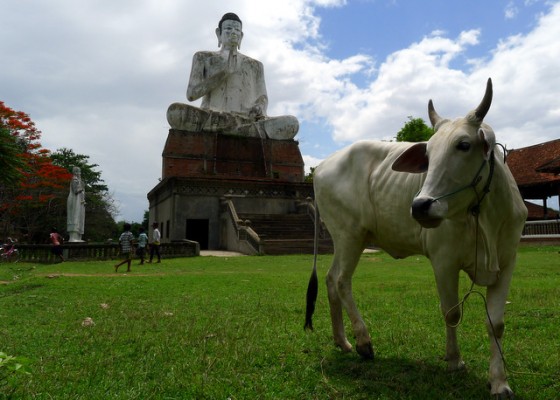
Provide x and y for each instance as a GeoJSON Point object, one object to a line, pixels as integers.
{"type": "Point", "coordinates": [154, 246]}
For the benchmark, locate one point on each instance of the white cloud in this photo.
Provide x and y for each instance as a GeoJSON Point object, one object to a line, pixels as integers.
{"type": "Point", "coordinates": [310, 162]}
{"type": "Point", "coordinates": [511, 11]}
{"type": "Point", "coordinates": [523, 70]}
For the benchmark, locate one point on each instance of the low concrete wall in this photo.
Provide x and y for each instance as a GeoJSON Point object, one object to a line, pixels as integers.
{"type": "Point", "coordinates": [41, 253]}
{"type": "Point", "coordinates": [542, 240]}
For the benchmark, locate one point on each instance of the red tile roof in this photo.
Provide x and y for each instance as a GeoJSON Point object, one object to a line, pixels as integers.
{"type": "Point", "coordinates": [535, 169]}
{"type": "Point", "coordinates": [552, 167]}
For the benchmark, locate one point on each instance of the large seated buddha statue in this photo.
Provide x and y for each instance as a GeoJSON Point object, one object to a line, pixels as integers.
{"type": "Point", "coordinates": [233, 92]}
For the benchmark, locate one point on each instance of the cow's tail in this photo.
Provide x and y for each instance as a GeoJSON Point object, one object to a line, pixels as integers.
{"type": "Point", "coordinates": [313, 286]}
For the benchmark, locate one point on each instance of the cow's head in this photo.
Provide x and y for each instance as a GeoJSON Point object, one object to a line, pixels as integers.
{"type": "Point", "coordinates": [454, 159]}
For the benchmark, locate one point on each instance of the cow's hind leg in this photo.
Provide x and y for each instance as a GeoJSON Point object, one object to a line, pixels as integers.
{"type": "Point", "coordinates": [339, 285]}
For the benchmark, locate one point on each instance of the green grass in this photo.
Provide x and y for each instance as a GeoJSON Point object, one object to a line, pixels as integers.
{"type": "Point", "coordinates": [218, 328]}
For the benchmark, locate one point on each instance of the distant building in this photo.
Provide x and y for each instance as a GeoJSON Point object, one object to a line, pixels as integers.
{"type": "Point", "coordinates": [536, 170]}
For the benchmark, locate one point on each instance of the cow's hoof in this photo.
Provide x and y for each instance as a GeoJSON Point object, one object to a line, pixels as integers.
{"type": "Point", "coordinates": [365, 350]}
{"type": "Point", "coordinates": [508, 395]}
{"type": "Point", "coordinates": [344, 345]}
{"type": "Point", "coordinates": [456, 366]}
{"type": "Point", "coordinates": [504, 394]}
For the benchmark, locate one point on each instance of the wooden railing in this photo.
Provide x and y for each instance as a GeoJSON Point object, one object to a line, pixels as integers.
{"type": "Point", "coordinates": [41, 253]}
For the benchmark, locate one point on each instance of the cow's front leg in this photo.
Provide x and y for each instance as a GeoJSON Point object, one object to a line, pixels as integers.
{"type": "Point", "coordinates": [448, 285]}
{"type": "Point", "coordinates": [496, 299]}
{"type": "Point", "coordinates": [452, 353]}
{"type": "Point", "coordinates": [347, 259]}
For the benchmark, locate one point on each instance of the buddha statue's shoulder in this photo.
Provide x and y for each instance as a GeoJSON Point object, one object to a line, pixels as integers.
{"type": "Point", "coordinates": [253, 62]}
{"type": "Point", "coordinates": [205, 55]}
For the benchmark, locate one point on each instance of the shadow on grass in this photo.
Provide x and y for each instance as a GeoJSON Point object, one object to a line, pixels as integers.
{"type": "Point", "coordinates": [396, 378]}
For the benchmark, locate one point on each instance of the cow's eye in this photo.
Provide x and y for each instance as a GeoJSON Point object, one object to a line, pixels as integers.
{"type": "Point", "coordinates": [463, 146]}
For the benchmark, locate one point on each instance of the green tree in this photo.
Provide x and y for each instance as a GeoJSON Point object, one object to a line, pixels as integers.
{"type": "Point", "coordinates": [10, 162]}
{"type": "Point", "coordinates": [309, 177]}
{"type": "Point", "coordinates": [134, 228]}
{"type": "Point", "coordinates": [146, 220]}
{"type": "Point", "coordinates": [67, 158]}
{"type": "Point", "coordinates": [100, 207]}
{"type": "Point", "coordinates": [415, 130]}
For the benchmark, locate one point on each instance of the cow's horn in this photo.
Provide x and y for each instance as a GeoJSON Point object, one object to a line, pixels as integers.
{"type": "Point", "coordinates": [484, 105]}
{"type": "Point", "coordinates": [434, 116]}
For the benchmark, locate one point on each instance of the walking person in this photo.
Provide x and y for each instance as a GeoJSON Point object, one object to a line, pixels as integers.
{"type": "Point", "coordinates": [142, 245]}
{"type": "Point", "coordinates": [154, 246]}
{"type": "Point", "coordinates": [56, 240]}
{"type": "Point", "coordinates": [125, 241]}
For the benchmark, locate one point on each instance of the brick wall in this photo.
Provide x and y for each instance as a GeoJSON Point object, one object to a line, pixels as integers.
{"type": "Point", "coordinates": [207, 155]}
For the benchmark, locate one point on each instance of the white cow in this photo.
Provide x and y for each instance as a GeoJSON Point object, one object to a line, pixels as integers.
{"type": "Point", "coordinates": [452, 199]}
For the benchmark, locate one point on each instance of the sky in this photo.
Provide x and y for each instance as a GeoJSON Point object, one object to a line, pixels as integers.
{"type": "Point", "coordinates": [97, 76]}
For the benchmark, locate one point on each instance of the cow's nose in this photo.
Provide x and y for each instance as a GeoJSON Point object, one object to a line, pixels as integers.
{"type": "Point", "coordinates": [421, 206]}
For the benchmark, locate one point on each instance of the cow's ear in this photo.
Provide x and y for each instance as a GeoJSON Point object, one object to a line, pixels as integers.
{"type": "Point", "coordinates": [413, 159]}
{"type": "Point", "coordinates": [488, 138]}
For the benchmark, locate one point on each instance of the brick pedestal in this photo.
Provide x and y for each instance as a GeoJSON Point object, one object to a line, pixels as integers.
{"type": "Point", "coordinates": [210, 155]}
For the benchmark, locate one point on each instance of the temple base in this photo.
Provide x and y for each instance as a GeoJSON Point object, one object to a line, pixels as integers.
{"type": "Point", "coordinates": [200, 170]}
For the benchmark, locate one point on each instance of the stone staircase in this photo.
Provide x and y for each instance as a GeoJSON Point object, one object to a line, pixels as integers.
{"type": "Point", "coordinates": [286, 233]}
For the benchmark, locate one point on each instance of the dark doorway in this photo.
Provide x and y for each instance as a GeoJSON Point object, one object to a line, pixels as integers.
{"type": "Point", "coordinates": [197, 230]}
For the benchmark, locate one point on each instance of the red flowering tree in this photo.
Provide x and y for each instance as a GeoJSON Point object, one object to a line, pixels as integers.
{"type": "Point", "coordinates": [34, 190]}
